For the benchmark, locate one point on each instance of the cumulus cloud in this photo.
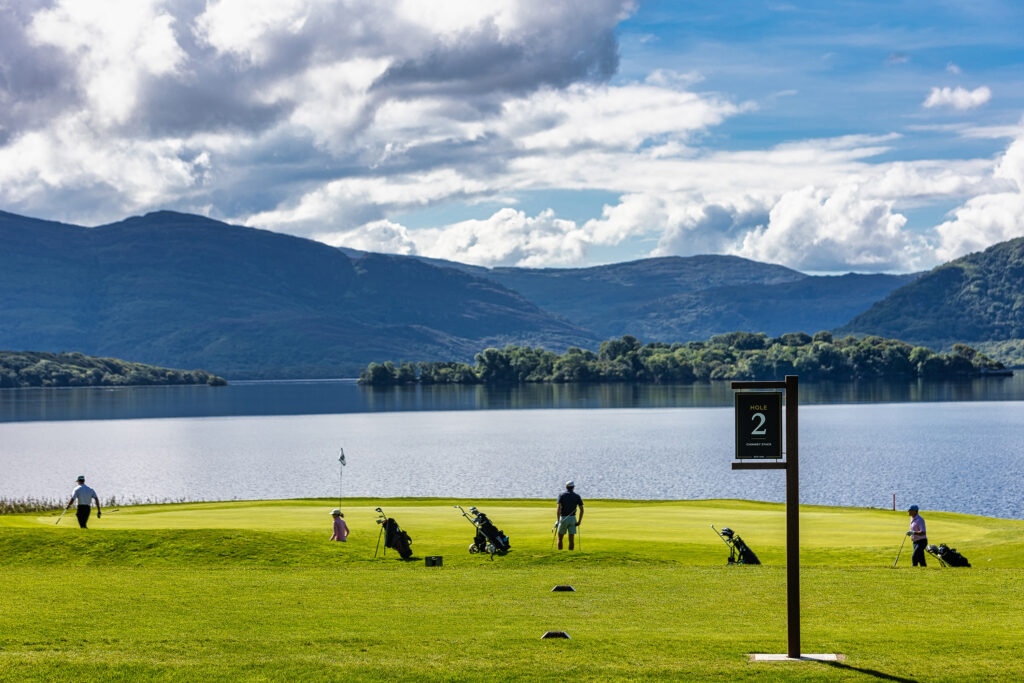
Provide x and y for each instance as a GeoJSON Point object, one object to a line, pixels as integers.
{"type": "Point", "coordinates": [327, 119]}
{"type": "Point", "coordinates": [991, 217]}
{"type": "Point", "coordinates": [814, 230]}
{"type": "Point", "coordinates": [508, 238]}
{"type": "Point", "coordinates": [266, 79]}
{"type": "Point", "coordinates": [957, 98]}
{"type": "Point", "coordinates": [384, 237]}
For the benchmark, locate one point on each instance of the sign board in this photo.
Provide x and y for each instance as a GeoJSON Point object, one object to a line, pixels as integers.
{"type": "Point", "coordinates": [758, 425]}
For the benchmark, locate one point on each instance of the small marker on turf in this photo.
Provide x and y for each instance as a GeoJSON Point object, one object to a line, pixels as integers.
{"type": "Point", "coordinates": [560, 589]}
{"type": "Point", "coordinates": [555, 634]}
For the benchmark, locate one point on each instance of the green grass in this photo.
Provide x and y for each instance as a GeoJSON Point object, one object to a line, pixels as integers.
{"type": "Point", "coordinates": [254, 591]}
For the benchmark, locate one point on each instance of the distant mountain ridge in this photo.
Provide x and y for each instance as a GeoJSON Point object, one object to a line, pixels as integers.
{"type": "Point", "coordinates": [180, 290]}
{"type": "Point", "coordinates": [684, 298]}
{"type": "Point", "coordinates": [186, 291]}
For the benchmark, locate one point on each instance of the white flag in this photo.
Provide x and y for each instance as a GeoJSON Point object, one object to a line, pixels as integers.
{"type": "Point", "coordinates": [341, 459]}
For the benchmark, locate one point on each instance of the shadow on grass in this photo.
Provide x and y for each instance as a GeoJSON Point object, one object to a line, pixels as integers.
{"type": "Point", "coordinates": [881, 675]}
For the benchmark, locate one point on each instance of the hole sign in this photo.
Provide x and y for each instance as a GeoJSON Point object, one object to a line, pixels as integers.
{"type": "Point", "coordinates": [758, 425]}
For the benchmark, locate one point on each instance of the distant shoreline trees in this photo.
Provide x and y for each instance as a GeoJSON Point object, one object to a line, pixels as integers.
{"type": "Point", "coordinates": [732, 356]}
{"type": "Point", "coordinates": [19, 369]}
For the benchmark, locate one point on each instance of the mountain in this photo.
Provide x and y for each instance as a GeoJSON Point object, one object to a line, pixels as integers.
{"type": "Point", "coordinates": [186, 291]}
{"type": "Point", "coordinates": [979, 297]}
{"type": "Point", "coordinates": [689, 298]}
{"type": "Point", "coordinates": [810, 304]}
{"type": "Point", "coordinates": [587, 295]}
{"type": "Point", "coordinates": [179, 290]}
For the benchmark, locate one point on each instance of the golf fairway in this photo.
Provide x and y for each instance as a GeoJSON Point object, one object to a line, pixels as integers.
{"type": "Point", "coordinates": [255, 591]}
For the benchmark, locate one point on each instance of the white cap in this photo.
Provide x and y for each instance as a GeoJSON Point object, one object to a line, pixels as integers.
{"type": "Point", "coordinates": [335, 511]}
{"type": "Point", "coordinates": [570, 484]}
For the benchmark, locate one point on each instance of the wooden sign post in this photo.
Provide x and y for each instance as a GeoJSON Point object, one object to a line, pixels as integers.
{"type": "Point", "coordinates": [755, 413]}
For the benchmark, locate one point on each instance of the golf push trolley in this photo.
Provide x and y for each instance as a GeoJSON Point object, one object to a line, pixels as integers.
{"type": "Point", "coordinates": [948, 557]}
{"type": "Point", "coordinates": [489, 538]}
{"type": "Point", "coordinates": [739, 552]}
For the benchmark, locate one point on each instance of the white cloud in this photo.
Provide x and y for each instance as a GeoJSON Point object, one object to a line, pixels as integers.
{"type": "Point", "coordinates": [244, 27]}
{"type": "Point", "coordinates": [328, 118]}
{"type": "Point", "coordinates": [953, 69]}
{"type": "Point", "coordinates": [112, 57]}
{"type": "Point", "coordinates": [988, 218]}
{"type": "Point", "coordinates": [818, 231]}
{"type": "Point", "coordinates": [72, 157]}
{"type": "Point", "coordinates": [345, 204]}
{"type": "Point", "coordinates": [610, 116]}
{"type": "Point", "coordinates": [507, 238]}
{"type": "Point", "coordinates": [958, 98]}
{"type": "Point", "coordinates": [379, 236]}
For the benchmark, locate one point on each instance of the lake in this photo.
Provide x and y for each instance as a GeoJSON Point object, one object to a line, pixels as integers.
{"type": "Point", "coordinates": [948, 446]}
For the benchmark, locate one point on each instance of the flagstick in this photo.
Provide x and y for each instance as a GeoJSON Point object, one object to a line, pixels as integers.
{"type": "Point", "coordinates": [341, 470]}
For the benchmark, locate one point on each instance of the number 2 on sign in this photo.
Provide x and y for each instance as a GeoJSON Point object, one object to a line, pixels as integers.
{"type": "Point", "coordinates": [759, 430]}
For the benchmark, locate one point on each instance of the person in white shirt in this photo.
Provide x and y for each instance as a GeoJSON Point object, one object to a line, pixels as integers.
{"type": "Point", "coordinates": [85, 496]}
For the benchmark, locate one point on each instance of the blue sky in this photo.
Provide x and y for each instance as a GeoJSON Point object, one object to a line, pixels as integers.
{"type": "Point", "coordinates": [828, 137]}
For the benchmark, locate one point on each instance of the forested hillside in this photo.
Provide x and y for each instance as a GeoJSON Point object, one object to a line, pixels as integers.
{"type": "Point", "coordinates": [979, 297]}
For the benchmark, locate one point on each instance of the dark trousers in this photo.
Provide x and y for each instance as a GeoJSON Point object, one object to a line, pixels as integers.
{"type": "Point", "coordinates": [918, 557]}
{"type": "Point", "coordinates": [83, 515]}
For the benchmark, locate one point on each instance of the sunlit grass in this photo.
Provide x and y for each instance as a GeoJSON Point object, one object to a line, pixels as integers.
{"type": "Point", "coordinates": [255, 591]}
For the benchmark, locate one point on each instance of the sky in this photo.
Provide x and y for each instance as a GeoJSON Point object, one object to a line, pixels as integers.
{"type": "Point", "coordinates": [825, 136]}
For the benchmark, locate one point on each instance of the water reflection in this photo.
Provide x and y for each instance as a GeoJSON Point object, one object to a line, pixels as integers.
{"type": "Point", "coordinates": [345, 396]}
{"type": "Point", "coordinates": [701, 395]}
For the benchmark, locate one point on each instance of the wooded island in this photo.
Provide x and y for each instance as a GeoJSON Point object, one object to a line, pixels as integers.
{"type": "Point", "coordinates": [41, 369]}
{"type": "Point", "coordinates": [732, 356]}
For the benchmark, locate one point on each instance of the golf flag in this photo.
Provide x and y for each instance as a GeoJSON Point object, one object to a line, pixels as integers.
{"type": "Point", "coordinates": [341, 458]}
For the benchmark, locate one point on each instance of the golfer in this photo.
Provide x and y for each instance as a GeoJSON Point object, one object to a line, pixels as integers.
{"type": "Point", "coordinates": [918, 536]}
{"type": "Point", "coordinates": [565, 514]}
{"type": "Point", "coordinates": [85, 496]}
{"type": "Point", "coordinates": [340, 528]}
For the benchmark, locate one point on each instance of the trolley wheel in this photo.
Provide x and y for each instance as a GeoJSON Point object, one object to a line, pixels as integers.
{"type": "Point", "coordinates": [473, 550]}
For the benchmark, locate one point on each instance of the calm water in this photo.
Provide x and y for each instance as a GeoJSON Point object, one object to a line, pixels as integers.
{"type": "Point", "coordinates": [951, 447]}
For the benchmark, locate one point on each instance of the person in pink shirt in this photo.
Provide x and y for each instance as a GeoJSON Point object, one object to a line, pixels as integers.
{"type": "Point", "coordinates": [340, 528]}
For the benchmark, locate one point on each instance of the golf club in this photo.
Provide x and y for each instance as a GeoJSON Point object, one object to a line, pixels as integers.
{"type": "Point", "coordinates": [900, 552]}
{"type": "Point", "coordinates": [61, 517]}
{"type": "Point", "coordinates": [579, 538]}
{"type": "Point", "coordinates": [380, 520]}
{"type": "Point", "coordinates": [554, 534]}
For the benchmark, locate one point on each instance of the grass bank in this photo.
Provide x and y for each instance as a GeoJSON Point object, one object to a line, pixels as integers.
{"type": "Point", "coordinates": [253, 590]}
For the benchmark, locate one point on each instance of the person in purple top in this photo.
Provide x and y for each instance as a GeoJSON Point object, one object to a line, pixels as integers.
{"type": "Point", "coordinates": [340, 528]}
{"type": "Point", "coordinates": [918, 536]}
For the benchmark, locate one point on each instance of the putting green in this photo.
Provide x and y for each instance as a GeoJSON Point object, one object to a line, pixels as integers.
{"type": "Point", "coordinates": [651, 530]}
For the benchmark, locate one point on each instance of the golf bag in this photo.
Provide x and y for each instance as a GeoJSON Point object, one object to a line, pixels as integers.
{"type": "Point", "coordinates": [395, 538]}
{"type": "Point", "coordinates": [948, 557]}
{"type": "Point", "coordinates": [739, 552]}
{"type": "Point", "coordinates": [489, 538]}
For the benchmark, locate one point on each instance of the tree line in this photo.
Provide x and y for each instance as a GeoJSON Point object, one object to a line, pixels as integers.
{"type": "Point", "coordinates": [41, 369]}
{"type": "Point", "coordinates": [732, 356]}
